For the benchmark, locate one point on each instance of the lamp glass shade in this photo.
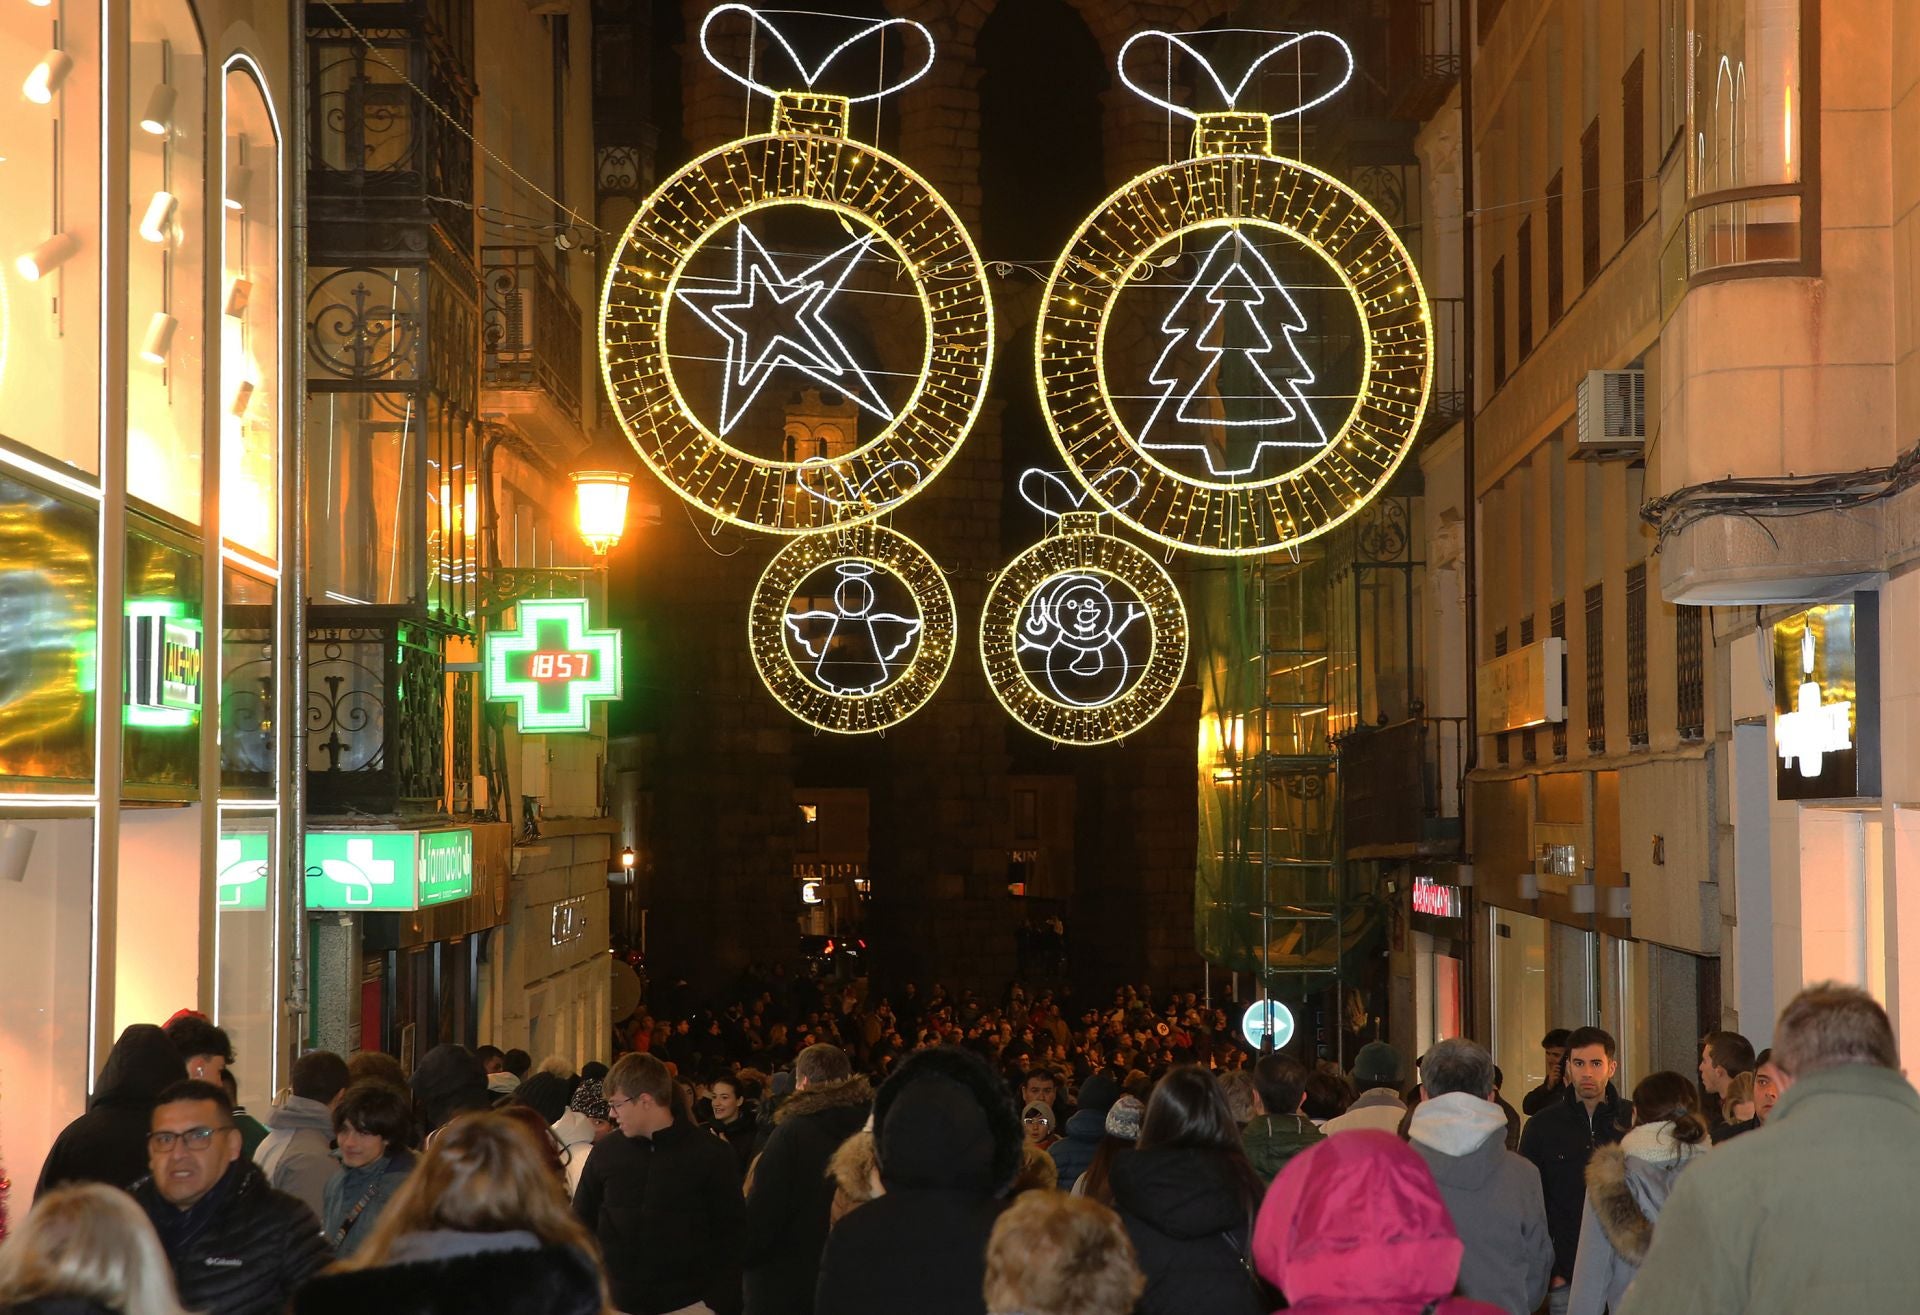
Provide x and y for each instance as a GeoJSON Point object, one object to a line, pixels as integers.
{"type": "Point", "coordinates": [35, 264]}
{"type": "Point", "coordinates": [157, 224]}
{"type": "Point", "coordinates": [601, 496]}
{"type": "Point", "coordinates": [159, 338]}
{"type": "Point", "coordinates": [44, 79]}
{"type": "Point", "coordinates": [159, 116]}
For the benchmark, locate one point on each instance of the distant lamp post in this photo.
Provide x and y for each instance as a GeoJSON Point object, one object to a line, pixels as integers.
{"type": "Point", "coordinates": [627, 858]}
{"type": "Point", "coordinates": [601, 496]}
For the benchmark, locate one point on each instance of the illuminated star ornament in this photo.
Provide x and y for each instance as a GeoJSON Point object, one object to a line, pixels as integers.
{"type": "Point", "coordinates": [770, 319]}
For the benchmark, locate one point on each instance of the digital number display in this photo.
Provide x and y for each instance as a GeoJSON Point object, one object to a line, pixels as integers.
{"type": "Point", "coordinates": [559, 666]}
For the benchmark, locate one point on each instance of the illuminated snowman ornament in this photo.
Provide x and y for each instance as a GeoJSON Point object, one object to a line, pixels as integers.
{"type": "Point", "coordinates": [1083, 636]}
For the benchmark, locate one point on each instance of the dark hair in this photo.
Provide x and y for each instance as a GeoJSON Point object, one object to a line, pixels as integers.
{"type": "Point", "coordinates": [1327, 1095]}
{"type": "Point", "coordinates": [1499, 1078]}
{"type": "Point", "coordinates": [1189, 1112]}
{"type": "Point", "coordinates": [375, 1066]}
{"type": "Point", "coordinates": [1764, 1057]}
{"type": "Point", "coordinates": [1556, 1039]}
{"type": "Point", "coordinates": [594, 1071]}
{"type": "Point", "coordinates": [194, 1089]}
{"type": "Point", "coordinates": [320, 1075]}
{"type": "Point", "coordinates": [377, 1108]}
{"type": "Point", "coordinates": [1033, 1073]}
{"type": "Point", "coordinates": [1457, 1065]}
{"type": "Point", "coordinates": [193, 1035]}
{"type": "Point", "coordinates": [1669, 1098]}
{"type": "Point", "coordinates": [487, 1054]}
{"type": "Point", "coordinates": [546, 1094]}
{"type": "Point", "coordinates": [1099, 1175]}
{"type": "Point", "coordinates": [1730, 1051]}
{"type": "Point", "coordinates": [820, 1064]}
{"type": "Point", "coordinates": [1828, 1025]}
{"type": "Point", "coordinates": [1582, 1037]}
{"type": "Point", "coordinates": [1279, 1081]}
{"type": "Point", "coordinates": [518, 1062]}
{"type": "Point", "coordinates": [231, 1085]}
{"type": "Point", "coordinates": [727, 1080]}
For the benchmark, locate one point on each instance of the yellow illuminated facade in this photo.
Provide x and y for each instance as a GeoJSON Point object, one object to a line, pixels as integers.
{"type": "Point", "coordinates": [903, 653]}
{"type": "Point", "coordinates": [1101, 671]}
{"type": "Point", "coordinates": [806, 161]}
{"type": "Point", "coordinates": [1236, 183]}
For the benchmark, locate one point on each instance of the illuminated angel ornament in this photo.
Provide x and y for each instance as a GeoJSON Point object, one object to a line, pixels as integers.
{"type": "Point", "coordinates": [852, 629]}
{"type": "Point", "coordinates": [1276, 466]}
{"type": "Point", "coordinates": [787, 319]}
{"type": "Point", "coordinates": [1083, 636]}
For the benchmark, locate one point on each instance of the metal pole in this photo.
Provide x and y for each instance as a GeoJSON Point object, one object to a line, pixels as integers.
{"type": "Point", "coordinates": [291, 920]}
{"type": "Point", "coordinates": [1470, 501]}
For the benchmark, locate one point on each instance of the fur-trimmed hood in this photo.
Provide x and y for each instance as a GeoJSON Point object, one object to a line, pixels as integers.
{"type": "Point", "coordinates": [856, 1168]}
{"type": "Point", "coordinates": [850, 1092]}
{"type": "Point", "coordinates": [1627, 1194]}
{"type": "Point", "coordinates": [552, 1280]}
{"type": "Point", "coordinates": [945, 1119]}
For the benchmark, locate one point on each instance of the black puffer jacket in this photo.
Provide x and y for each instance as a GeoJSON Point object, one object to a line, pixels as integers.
{"type": "Point", "coordinates": [243, 1250]}
{"type": "Point", "coordinates": [792, 1195]}
{"type": "Point", "coordinates": [1189, 1216]}
{"type": "Point", "coordinates": [57, 1306]}
{"type": "Point", "coordinates": [108, 1144]}
{"type": "Point", "coordinates": [949, 1145]}
{"type": "Point", "coordinates": [513, 1281]}
{"type": "Point", "coordinates": [667, 1210]}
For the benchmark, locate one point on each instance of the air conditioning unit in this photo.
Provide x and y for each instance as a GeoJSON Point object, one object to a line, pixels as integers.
{"type": "Point", "coordinates": [1613, 414]}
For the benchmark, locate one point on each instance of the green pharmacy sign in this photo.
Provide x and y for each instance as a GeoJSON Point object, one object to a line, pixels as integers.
{"type": "Point", "coordinates": [163, 664]}
{"type": "Point", "coordinates": [553, 666]}
{"type": "Point", "coordinates": [241, 869]}
{"type": "Point", "coordinates": [387, 871]}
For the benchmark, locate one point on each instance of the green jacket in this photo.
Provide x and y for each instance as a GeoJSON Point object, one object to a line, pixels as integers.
{"type": "Point", "coordinates": [1817, 1211]}
{"type": "Point", "coordinates": [1273, 1139]}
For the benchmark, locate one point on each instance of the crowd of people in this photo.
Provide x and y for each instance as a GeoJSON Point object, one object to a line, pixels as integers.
{"type": "Point", "coordinates": [954, 1156]}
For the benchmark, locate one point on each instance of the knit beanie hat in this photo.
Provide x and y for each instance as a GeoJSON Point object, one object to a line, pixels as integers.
{"type": "Point", "coordinates": [590, 1099]}
{"type": "Point", "coordinates": [1123, 1119]}
{"type": "Point", "coordinates": [1377, 1065]}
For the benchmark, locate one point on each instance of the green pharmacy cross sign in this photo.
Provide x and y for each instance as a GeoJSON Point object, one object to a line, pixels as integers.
{"type": "Point", "coordinates": [383, 871]}
{"type": "Point", "coordinates": [553, 666]}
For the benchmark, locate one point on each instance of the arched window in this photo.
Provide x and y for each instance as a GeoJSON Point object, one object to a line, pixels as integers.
{"type": "Point", "coordinates": [250, 321]}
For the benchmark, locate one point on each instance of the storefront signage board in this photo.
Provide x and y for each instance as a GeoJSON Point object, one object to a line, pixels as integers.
{"type": "Point", "coordinates": [387, 871]}
{"type": "Point", "coordinates": [242, 870]}
{"type": "Point", "coordinates": [1524, 688]}
{"type": "Point", "coordinates": [1436, 899]}
{"type": "Point", "coordinates": [1826, 701]}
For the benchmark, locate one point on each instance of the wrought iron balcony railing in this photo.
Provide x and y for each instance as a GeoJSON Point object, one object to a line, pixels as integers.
{"type": "Point", "coordinates": [1401, 784]}
{"type": "Point", "coordinates": [530, 327]}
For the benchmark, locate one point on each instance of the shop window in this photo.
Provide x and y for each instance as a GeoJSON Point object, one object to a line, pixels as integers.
{"type": "Point", "coordinates": [167, 262]}
{"type": "Point", "coordinates": [250, 322]}
{"type": "Point", "coordinates": [1744, 117]}
{"type": "Point", "coordinates": [50, 231]}
{"type": "Point", "coordinates": [48, 548]}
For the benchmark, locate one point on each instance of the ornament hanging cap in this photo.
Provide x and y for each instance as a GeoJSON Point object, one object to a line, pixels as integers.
{"type": "Point", "coordinates": [1283, 43]}
{"type": "Point", "coordinates": [872, 33]}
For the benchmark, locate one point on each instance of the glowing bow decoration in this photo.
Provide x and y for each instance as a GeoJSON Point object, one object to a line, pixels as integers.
{"type": "Point", "coordinates": [811, 76]}
{"type": "Point", "coordinates": [1231, 95]}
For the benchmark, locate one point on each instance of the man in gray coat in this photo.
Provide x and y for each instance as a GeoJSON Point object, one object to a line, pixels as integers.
{"type": "Point", "coordinates": [1817, 1212]}
{"type": "Point", "coordinates": [1493, 1195]}
{"type": "Point", "coordinates": [297, 1156]}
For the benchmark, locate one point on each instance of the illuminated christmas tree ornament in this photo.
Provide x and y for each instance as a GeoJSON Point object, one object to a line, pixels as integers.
{"type": "Point", "coordinates": [785, 321]}
{"type": "Point", "coordinates": [1233, 452]}
{"type": "Point", "coordinates": [1083, 636]}
{"type": "Point", "coordinates": [852, 629]}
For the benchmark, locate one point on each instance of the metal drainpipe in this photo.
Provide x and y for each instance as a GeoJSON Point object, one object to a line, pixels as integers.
{"type": "Point", "coordinates": [293, 584]}
{"type": "Point", "coordinates": [1470, 502]}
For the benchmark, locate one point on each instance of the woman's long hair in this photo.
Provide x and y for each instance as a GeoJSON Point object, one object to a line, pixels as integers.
{"type": "Point", "coordinates": [1189, 1112]}
{"type": "Point", "coordinates": [1098, 1177]}
{"type": "Point", "coordinates": [484, 1173]}
{"type": "Point", "coordinates": [90, 1242]}
{"type": "Point", "coordinates": [1669, 1098]}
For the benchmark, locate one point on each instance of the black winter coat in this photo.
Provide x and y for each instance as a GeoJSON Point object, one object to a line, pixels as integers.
{"type": "Point", "coordinates": [1188, 1214]}
{"type": "Point", "coordinates": [792, 1195]}
{"type": "Point", "coordinates": [246, 1252]}
{"type": "Point", "coordinates": [667, 1211]}
{"type": "Point", "coordinates": [57, 1306]}
{"type": "Point", "coordinates": [543, 1281]}
{"type": "Point", "coordinates": [1560, 1139]}
{"type": "Point", "coordinates": [108, 1144]}
{"type": "Point", "coordinates": [949, 1144]}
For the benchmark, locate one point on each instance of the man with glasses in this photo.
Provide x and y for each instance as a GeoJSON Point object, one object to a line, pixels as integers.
{"type": "Point", "coordinates": [237, 1247]}
{"type": "Point", "coordinates": [663, 1198]}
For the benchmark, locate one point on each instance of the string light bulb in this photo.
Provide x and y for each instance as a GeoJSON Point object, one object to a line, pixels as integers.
{"type": "Point", "coordinates": [45, 79]}
{"type": "Point", "coordinates": [45, 258]}
{"type": "Point", "coordinates": [157, 224]}
{"type": "Point", "coordinates": [158, 120]}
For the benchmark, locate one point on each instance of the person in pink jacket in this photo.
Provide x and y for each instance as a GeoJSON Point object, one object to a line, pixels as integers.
{"type": "Point", "coordinates": [1356, 1226]}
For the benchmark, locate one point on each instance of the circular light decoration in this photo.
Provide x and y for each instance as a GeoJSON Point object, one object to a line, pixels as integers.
{"type": "Point", "coordinates": [1236, 451]}
{"type": "Point", "coordinates": [852, 629]}
{"type": "Point", "coordinates": [771, 317]}
{"type": "Point", "coordinates": [1266, 1019]}
{"type": "Point", "coordinates": [1083, 635]}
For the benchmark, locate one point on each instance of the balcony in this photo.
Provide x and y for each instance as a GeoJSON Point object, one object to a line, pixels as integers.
{"type": "Point", "coordinates": [530, 332]}
{"type": "Point", "coordinates": [376, 714]}
{"type": "Point", "coordinates": [1423, 42]}
{"type": "Point", "coordinates": [1401, 787]}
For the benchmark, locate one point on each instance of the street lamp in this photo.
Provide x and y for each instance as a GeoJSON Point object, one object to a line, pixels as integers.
{"type": "Point", "coordinates": [601, 498]}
